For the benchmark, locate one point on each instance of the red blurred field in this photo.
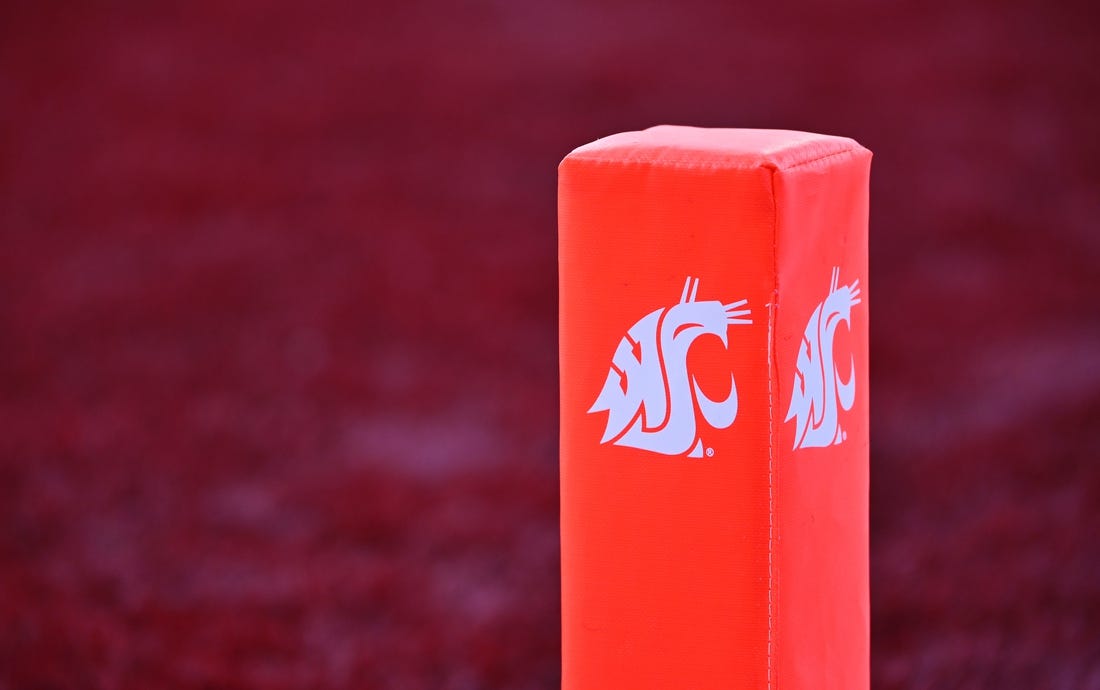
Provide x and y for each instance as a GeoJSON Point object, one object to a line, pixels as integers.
{"type": "Point", "coordinates": [277, 326]}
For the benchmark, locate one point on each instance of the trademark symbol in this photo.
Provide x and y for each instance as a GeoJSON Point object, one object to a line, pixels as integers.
{"type": "Point", "coordinates": [710, 452]}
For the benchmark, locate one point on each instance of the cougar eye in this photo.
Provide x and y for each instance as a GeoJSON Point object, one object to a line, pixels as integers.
{"type": "Point", "coordinates": [685, 326]}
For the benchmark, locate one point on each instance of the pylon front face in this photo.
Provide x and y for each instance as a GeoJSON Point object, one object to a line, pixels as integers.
{"type": "Point", "coordinates": [674, 413]}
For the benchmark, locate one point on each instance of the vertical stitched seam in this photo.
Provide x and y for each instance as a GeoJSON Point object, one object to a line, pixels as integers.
{"type": "Point", "coordinates": [771, 433]}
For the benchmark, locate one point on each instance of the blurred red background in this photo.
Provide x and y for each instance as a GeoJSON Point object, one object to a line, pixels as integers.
{"type": "Point", "coordinates": [278, 325]}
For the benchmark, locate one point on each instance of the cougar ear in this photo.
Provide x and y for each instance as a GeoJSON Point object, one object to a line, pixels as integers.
{"type": "Point", "coordinates": [684, 294]}
{"type": "Point", "coordinates": [691, 288]}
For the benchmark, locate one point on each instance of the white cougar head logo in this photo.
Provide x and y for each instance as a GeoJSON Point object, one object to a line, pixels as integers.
{"type": "Point", "coordinates": [817, 383]}
{"type": "Point", "coordinates": [649, 395]}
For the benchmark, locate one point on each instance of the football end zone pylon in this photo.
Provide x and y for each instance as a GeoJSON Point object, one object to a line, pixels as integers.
{"type": "Point", "coordinates": [714, 411]}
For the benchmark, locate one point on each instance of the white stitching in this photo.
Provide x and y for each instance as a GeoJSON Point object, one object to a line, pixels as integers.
{"type": "Point", "coordinates": [771, 433]}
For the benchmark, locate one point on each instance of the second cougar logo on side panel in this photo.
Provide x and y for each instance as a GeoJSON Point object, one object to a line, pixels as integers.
{"type": "Point", "coordinates": [650, 396]}
{"type": "Point", "coordinates": [818, 389]}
